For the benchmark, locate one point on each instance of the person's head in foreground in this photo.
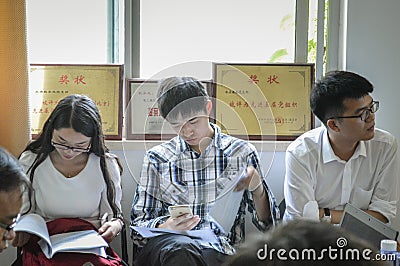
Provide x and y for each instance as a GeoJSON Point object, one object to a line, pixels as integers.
{"type": "Point", "coordinates": [184, 103]}
{"type": "Point", "coordinates": [12, 184]}
{"type": "Point", "coordinates": [305, 242]}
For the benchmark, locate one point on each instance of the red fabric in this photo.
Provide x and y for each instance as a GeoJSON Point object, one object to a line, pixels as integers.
{"type": "Point", "coordinates": [32, 255]}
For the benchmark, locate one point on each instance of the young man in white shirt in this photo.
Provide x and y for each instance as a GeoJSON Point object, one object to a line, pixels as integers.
{"type": "Point", "coordinates": [347, 159]}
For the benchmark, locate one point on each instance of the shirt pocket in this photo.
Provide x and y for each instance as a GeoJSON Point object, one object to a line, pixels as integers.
{"type": "Point", "coordinates": [173, 188]}
{"type": "Point", "coordinates": [361, 198]}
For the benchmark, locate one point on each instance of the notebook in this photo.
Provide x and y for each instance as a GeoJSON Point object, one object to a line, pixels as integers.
{"type": "Point", "coordinates": [365, 226]}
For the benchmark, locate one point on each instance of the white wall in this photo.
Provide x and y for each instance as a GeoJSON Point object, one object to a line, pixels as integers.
{"type": "Point", "coordinates": [373, 43]}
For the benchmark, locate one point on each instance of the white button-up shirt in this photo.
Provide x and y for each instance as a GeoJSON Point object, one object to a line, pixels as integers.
{"type": "Point", "coordinates": [367, 180]}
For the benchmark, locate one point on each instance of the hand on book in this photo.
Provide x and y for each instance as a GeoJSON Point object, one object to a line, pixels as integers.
{"type": "Point", "coordinates": [84, 241]}
{"type": "Point", "coordinates": [21, 238]}
{"type": "Point", "coordinates": [109, 230]}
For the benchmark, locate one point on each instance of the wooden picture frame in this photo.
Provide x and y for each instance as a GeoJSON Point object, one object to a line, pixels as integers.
{"type": "Point", "coordinates": [263, 101]}
{"type": "Point", "coordinates": [143, 120]}
{"type": "Point", "coordinates": [49, 83]}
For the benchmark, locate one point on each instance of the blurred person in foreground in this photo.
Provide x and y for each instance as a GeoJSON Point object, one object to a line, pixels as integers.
{"type": "Point", "coordinates": [13, 182]}
{"type": "Point", "coordinates": [305, 242]}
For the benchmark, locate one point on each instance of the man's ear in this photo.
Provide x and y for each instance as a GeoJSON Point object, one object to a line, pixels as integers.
{"type": "Point", "coordinates": [208, 107]}
{"type": "Point", "coordinates": [332, 124]}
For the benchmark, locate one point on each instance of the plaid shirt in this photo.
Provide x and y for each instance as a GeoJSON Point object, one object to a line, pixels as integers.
{"type": "Point", "coordinates": [174, 174]}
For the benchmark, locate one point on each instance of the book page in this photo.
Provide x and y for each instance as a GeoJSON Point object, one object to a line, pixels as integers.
{"type": "Point", "coordinates": [205, 235]}
{"type": "Point", "coordinates": [34, 224]}
{"type": "Point", "coordinates": [98, 251]}
{"type": "Point", "coordinates": [227, 204]}
{"type": "Point", "coordinates": [87, 241]}
{"type": "Point", "coordinates": [226, 208]}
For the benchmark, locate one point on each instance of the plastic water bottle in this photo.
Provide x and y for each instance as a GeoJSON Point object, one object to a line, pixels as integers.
{"type": "Point", "coordinates": [389, 251]}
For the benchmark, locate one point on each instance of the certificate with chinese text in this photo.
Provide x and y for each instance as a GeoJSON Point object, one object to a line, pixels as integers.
{"type": "Point", "coordinates": [143, 118]}
{"type": "Point", "coordinates": [263, 101]}
{"type": "Point", "coordinates": [49, 83]}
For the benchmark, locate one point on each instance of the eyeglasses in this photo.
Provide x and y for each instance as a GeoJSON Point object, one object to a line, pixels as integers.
{"type": "Point", "coordinates": [365, 113]}
{"type": "Point", "coordinates": [9, 227]}
{"type": "Point", "coordinates": [66, 147]}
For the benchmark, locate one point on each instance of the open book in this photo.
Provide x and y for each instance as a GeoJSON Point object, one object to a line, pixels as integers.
{"type": "Point", "coordinates": [86, 241]}
{"type": "Point", "coordinates": [206, 234]}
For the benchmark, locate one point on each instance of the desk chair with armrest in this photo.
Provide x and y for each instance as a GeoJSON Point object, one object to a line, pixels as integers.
{"type": "Point", "coordinates": [124, 245]}
{"type": "Point", "coordinates": [282, 208]}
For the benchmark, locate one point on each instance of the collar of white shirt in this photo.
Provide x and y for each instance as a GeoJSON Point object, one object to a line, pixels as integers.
{"type": "Point", "coordinates": [328, 154]}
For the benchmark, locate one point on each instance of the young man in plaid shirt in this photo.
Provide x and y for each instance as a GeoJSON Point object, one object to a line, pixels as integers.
{"type": "Point", "coordinates": [195, 168]}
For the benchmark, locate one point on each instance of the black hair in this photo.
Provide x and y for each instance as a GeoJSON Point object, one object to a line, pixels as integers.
{"type": "Point", "coordinates": [308, 239]}
{"type": "Point", "coordinates": [181, 95]}
{"type": "Point", "coordinates": [80, 113]}
{"type": "Point", "coordinates": [333, 89]}
{"type": "Point", "coordinates": [12, 175]}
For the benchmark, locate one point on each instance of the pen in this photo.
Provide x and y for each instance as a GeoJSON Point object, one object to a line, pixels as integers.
{"type": "Point", "coordinates": [104, 218]}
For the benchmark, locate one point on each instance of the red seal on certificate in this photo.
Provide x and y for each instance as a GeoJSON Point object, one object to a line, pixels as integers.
{"type": "Point", "coordinates": [278, 121]}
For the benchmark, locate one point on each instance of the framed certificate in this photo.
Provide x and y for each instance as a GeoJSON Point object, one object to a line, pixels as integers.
{"type": "Point", "coordinates": [49, 83]}
{"type": "Point", "coordinates": [143, 119]}
{"type": "Point", "coordinates": [263, 101]}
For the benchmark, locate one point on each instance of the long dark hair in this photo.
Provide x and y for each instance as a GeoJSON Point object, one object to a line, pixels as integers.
{"type": "Point", "coordinates": [80, 113]}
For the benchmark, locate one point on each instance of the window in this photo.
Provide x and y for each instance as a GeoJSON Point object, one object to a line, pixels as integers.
{"type": "Point", "coordinates": [74, 31]}
{"type": "Point", "coordinates": [170, 33]}
{"type": "Point", "coordinates": [175, 32]}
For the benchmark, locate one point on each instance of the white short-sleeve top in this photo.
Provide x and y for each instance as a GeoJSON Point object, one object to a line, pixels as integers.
{"type": "Point", "coordinates": [82, 196]}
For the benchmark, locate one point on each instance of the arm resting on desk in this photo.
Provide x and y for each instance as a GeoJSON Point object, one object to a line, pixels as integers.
{"type": "Point", "coordinates": [336, 215]}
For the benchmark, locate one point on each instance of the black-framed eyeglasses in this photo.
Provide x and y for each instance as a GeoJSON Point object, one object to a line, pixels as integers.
{"type": "Point", "coordinates": [9, 227]}
{"type": "Point", "coordinates": [364, 114]}
{"type": "Point", "coordinates": [66, 147]}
